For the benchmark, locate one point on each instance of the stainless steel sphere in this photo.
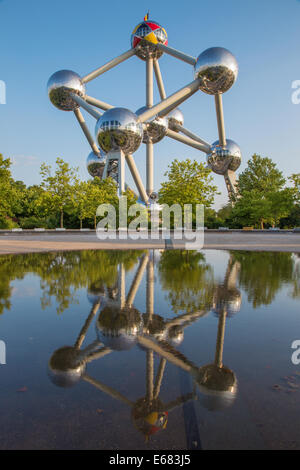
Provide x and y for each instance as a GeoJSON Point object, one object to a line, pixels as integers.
{"type": "Point", "coordinates": [175, 118]}
{"type": "Point", "coordinates": [119, 129]}
{"type": "Point", "coordinates": [222, 159]}
{"type": "Point", "coordinates": [155, 130]}
{"type": "Point", "coordinates": [95, 164]}
{"type": "Point", "coordinates": [60, 86]}
{"type": "Point", "coordinates": [217, 69]}
{"type": "Point", "coordinates": [145, 37]}
{"type": "Point", "coordinates": [153, 197]}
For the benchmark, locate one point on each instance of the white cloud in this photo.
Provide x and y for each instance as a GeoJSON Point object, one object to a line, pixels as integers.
{"type": "Point", "coordinates": [24, 160]}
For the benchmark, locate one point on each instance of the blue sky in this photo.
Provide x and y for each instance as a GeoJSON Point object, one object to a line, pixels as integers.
{"type": "Point", "coordinates": [41, 37]}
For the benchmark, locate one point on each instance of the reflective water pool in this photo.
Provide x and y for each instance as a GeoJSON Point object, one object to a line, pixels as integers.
{"type": "Point", "coordinates": [149, 350]}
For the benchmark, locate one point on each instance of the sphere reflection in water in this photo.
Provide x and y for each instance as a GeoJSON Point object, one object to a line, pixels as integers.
{"type": "Point", "coordinates": [60, 86]}
{"type": "Point", "coordinates": [118, 129]}
{"type": "Point", "coordinates": [218, 386]}
{"type": "Point", "coordinates": [228, 300]}
{"type": "Point", "coordinates": [118, 328]}
{"type": "Point", "coordinates": [149, 418]}
{"type": "Point", "coordinates": [66, 366]}
{"type": "Point", "coordinates": [175, 336]}
{"type": "Point", "coordinates": [155, 326]}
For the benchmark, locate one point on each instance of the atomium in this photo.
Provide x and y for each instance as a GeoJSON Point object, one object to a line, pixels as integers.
{"type": "Point", "coordinates": [120, 132]}
{"type": "Point", "coordinates": [118, 328]}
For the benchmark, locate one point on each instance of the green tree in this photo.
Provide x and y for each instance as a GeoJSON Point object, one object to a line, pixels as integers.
{"type": "Point", "coordinates": [261, 175]}
{"type": "Point", "coordinates": [80, 200]}
{"type": "Point", "coordinates": [281, 205]}
{"type": "Point", "coordinates": [7, 191]}
{"type": "Point", "coordinates": [250, 209]}
{"type": "Point", "coordinates": [100, 192]}
{"type": "Point", "coordinates": [188, 182]}
{"type": "Point", "coordinates": [295, 180]}
{"type": "Point", "coordinates": [57, 195]}
{"type": "Point", "coordinates": [262, 196]}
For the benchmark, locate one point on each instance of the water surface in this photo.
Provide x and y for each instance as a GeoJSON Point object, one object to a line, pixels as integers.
{"type": "Point", "coordinates": [150, 350]}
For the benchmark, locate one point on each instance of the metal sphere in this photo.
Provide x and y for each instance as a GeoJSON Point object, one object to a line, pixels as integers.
{"type": "Point", "coordinates": [175, 118]}
{"type": "Point", "coordinates": [95, 164]}
{"type": "Point", "coordinates": [222, 159]}
{"type": "Point", "coordinates": [217, 69]}
{"type": "Point", "coordinates": [153, 197]}
{"type": "Point", "coordinates": [155, 130]}
{"type": "Point", "coordinates": [145, 37]}
{"type": "Point", "coordinates": [119, 129]}
{"type": "Point", "coordinates": [60, 85]}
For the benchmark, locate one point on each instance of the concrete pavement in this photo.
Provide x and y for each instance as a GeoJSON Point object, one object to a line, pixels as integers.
{"type": "Point", "coordinates": [28, 242]}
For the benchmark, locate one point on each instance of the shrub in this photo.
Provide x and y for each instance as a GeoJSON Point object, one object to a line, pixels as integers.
{"type": "Point", "coordinates": [7, 223]}
{"type": "Point", "coordinates": [33, 222]}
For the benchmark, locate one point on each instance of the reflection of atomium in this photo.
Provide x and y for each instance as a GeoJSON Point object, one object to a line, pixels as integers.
{"type": "Point", "coordinates": [119, 132]}
{"type": "Point", "coordinates": [66, 366]}
{"type": "Point", "coordinates": [118, 328]}
{"type": "Point", "coordinates": [149, 418]}
{"type": "Point", "coordinates": [228, 300]}
{"type": "Point", "coordinates": [218, 386]}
